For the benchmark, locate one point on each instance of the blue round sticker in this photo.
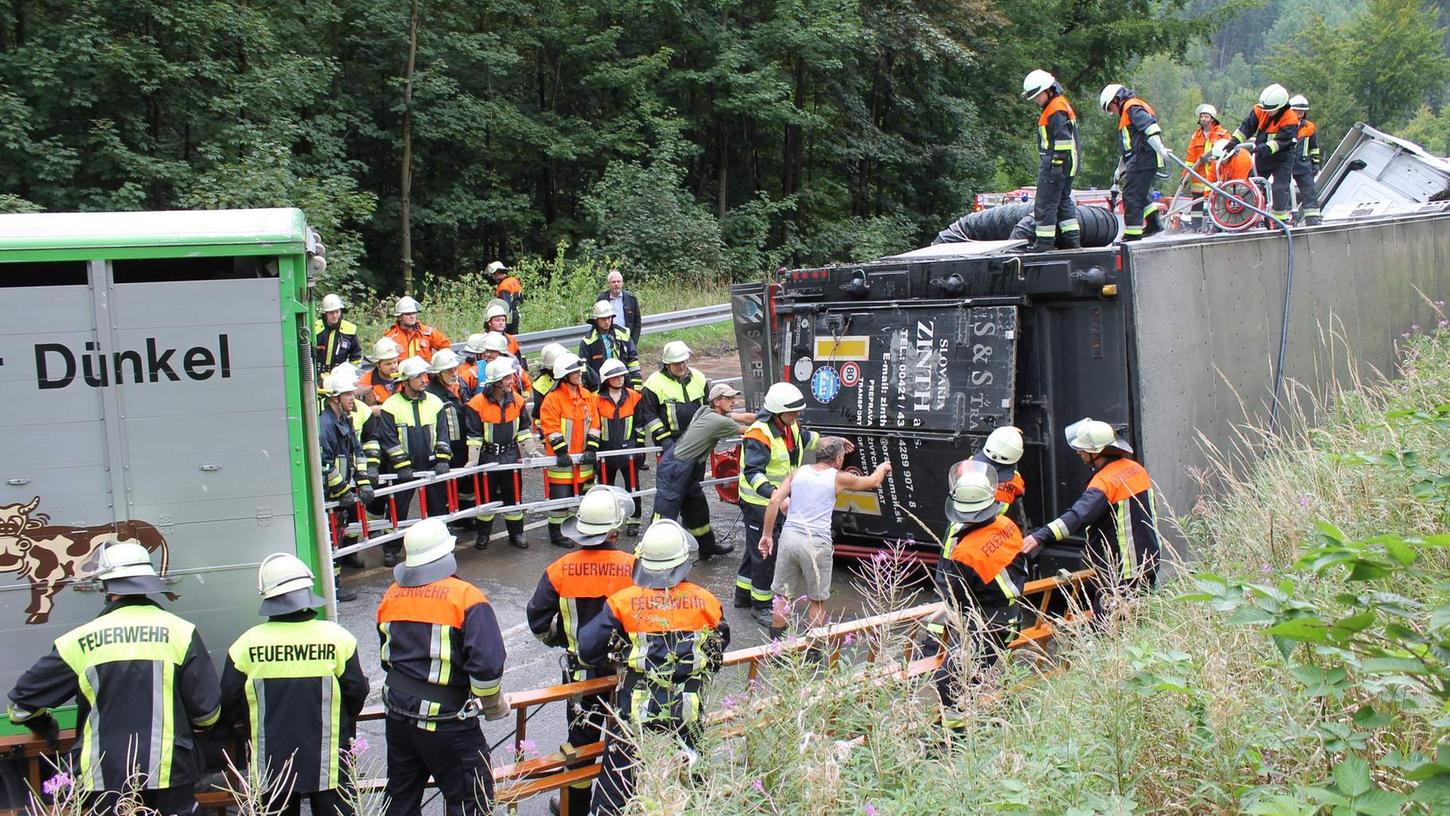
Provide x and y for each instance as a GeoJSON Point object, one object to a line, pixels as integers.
{"type": "Point", "coordinates": [825, 384]}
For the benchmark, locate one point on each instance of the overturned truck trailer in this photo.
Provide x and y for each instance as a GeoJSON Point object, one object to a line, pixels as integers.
{"type": "Point", "coordinates": [917, 357]}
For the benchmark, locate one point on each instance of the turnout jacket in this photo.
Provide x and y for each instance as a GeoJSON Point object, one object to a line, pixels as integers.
{"type": "Point", "coordinates": [1116, 515]}
{"type": "Point", "coordinates": [572, 591]}
{"type": "Point", "coordinates": [415, 433]}
{"type": "Point", "coordinates": [769, 453]}
{"type": "Point", "coordinates": [672, 403]}
{"type": "Point", "coordinates": [443, 640]}
{"type": "Point", "coordinates": [344, 463]}
{"type": "Point", "coordinates": [1275, 133]}
{"type": "Point", "coordinates": [454, 398]}
{"type": "Point", "coordinates": [616, 344]}
{"type": "Point", "coordinates": [338, 344]}
{"type": "Point", "coordinates": [419, 341]}
{"type": "Point", "coordinates": [1308, 154]}
{"type": "Point", "coordinates": [511, 291]}
{"type": "Point", "coordinates": [296, 685]}
{"type": "Point", "coordinates": [142, 682]}
{"type": "Point", "coordinates": [1136, 123]}
{"type": "Point", "coordinates": [982, 564]}
{"type": "Point", "coordinates": [569, 421]}
{"type": "Point", "coordinates": [499, 426]}
{"type": "Point", "coordinates": [1057, 136]}
{"type": "Point", "coordinates": [669, 642]}
{"type": "Point", "coordinates": [1198, 145]}
{"type": "Point", "coordinates": [622, 421]}
{"type": "Point", "coordinates": [1010, 487]}
{"type": "Point", "coordinates": [382, 388]}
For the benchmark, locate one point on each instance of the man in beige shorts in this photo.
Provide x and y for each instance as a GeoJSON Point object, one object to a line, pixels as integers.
{"type": "Point", "coordinates": [808, 498]}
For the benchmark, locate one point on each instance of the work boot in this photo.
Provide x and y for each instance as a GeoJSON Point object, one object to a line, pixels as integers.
{"type": "Point", "coordinates": [1153, 224]}
{"type": "Point", "coordinates": [351, 560]}
{"type": "Point", "coordinates": [556, 537]}
{"type": "Point", "coordinates": [709, 547]}
{"type": "Point", "coordinates": [515, 529]}
{"type": "Point", "coordinates": [1041, 245]}
{"type": "Point", "coordinates": [485, 532]}
{"type": "Point", "coordinates": [1313, 220]}
{"type": "Point", "coordinates": [742, 599]}
{"type": "Point", "coordinates": [773, 632]}
{"type": "Point", "coordinates": [1070, 240]}
{"type": "Point", "coordinates": [554, 804]}
{"type": "Point", "coordinates": [763, 616]}
{"type": "Point", "coordinates": [631, 528]}
{"type": "Point", "coordinates": [390, 558]}
{"type": "Point", "coordinates": [344, 594]}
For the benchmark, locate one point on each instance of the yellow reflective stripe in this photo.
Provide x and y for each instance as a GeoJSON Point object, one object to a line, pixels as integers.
{"type": "Point", "coordinates": [1042, 137]}
{"type": "Point", "coordinates": [1238, 135]}
{"type": "Point", "coordinates": [482, 688]}
{"type": "Point", "coordinates": [1009, 589]}
{"type": "Point", "coordinates": [445, 654]}
{"type": "Point", "coordinates": [1125, 539]}
{"type": "Point", "coordinates": [568, 617]}
{"type": "Point", "coordinates": [1153, 130]}
{"type": "Point", "coordinates": [1064, 144]}
{"type": "Point", "coordinates": [168, 723]}
{"type": "Point", "coordinates": [1273, 146]}
{"type": "Point", "coordinates": [1058, 528]}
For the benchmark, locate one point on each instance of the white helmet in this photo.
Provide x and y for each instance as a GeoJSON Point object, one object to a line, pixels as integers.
{"type": "Point", "coordinates": [125, 569]}
{"type": "Point", "coordinates": [1111, 91]}
{"type": "Point", "coordinates": [412, 367]}
{"type": "Point", "coordinates": [663, 555]}
{"type": "Point", "coordinates": [495, 267]}
{"type": "Point", "coordinates": [1004, 445]}
{"type": "Point", "coordinates": [1036, 82]}
{"type": "Point", "coordinates": [1206, 108]}
{"type": "Point", "coordinates": [675, 351]}
{"type": "Point", "coordinates": [443, 360]}
{"type": "Point", "coordinates": [406, 305]}
{"type": "Point", "coordinates": [601, 310]}
{"type": "Point", "coordinates": [548, 354]}
{"type": "Point", "coordinates": [386, 349]}
{"type": "Point", "coordinates": [495, 341]}
{"type": "Point", "coordinates": [1220, 149]}
{"type": "Point", "coordinates": [497, 369]}
{"type": "Point", "coordinates": [1299, 102]}
{"type": "Point", "coordinates": [566, 364]}
{"type": "Point", "coordinates": [332, 303]}
{"type": "Point", "coordinates": [601, 512]}
{"type": "Point", "coordinates": [972, 496]}
{"type": "Point", "coordinates": [285, 584]}
{"type": "Point", "coordinates": [496, 308]}
{"type": "Point", "coordinates": [340, 380]}
{"type": "Point", "coordinates": [1094, 436]}
{"type": "Point", "coordinates": [426, 542]}
{"type": "Point", "coordinates": [474, 343]}
{"type": "Point", "coordinates": [1273, 97]}
{"type": "Point", "coordinates": [612, 368]}
{"type": "Point", "coordinates": [783, 398]}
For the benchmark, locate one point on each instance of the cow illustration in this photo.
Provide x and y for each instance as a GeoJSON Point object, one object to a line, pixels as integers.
{"type": "Point", "coordinates": [51, 556]}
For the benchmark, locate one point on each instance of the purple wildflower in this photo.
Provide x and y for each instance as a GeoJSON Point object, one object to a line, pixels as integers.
{"type": "Point", "coordinates": [1304, 500]}
{"type": "Point", "coordinates": [869, 809]}
{"type": "Point", "coordinates": [528, 747]}
{"type": "Point", "coordinates": [758, 786]}
{"type": "Point", "coordinates": [848, 639]}
{"type": "Point", "coordinates": [1443, 324]}
{"type": "Point", "coordinates": [56, 784]}
{"type": "Point", "coordinates": [359, 746]}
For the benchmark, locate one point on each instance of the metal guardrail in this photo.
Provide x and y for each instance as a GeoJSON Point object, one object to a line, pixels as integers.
{"type": "Point", "coordinates": [664, 321]}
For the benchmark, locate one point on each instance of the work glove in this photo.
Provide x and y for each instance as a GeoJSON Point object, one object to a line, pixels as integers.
{"type": "Point", "coordinates": [405, 474]}
{"type": "Point", "coordinates": [563, 460]}
{"type": "Point", "coordinates": [347, 499]}
{"type": "Point", "coordinates": [373, 475]}
{"type": "Point", "coordinates": [495, 707]}
{"type": "Point", "coordinates": [588, 457]}
{"type": "Point", "coordinates": [365, 494]}
{"type": "Point", "coordinates": [45, 727]}
{"type": "Point", "coordinates": [440, 468]}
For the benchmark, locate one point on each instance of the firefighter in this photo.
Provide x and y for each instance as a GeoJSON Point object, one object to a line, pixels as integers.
{"type": "Point", "coordinates": [1306, 163]}
{"type": "Point", "coordinates": [1274, 127]}
{"type": "Point", "coordinates": [544, 380]}
{"type": "Point", "coordinates": [1115, 514]}
{"type": "Point", "coordinates": [496, 345]}
{"type": "Point", "coordinates": [571, 593]}
{"type": "Point", "coordinates": [569, 422]}
{"type": "Point", "coordinates": [1200, 156]}
{"type": "Point", "coordinates": [508, 289]}
{"type": "Point", "coordinates": [673, 395]}
{"type": "Point", "coordinates": [473, 362]}
{"type": "Point", "coordinates": [1001, 452]}
{"type": "Point", "coordinates": [142, 682]}
{"type": "Point", "coordinates": [445, 384]}
{"type": "Point", "coordinates": [621, 428]}
{"type": "Point", "coordinates": [496, 424]}
{"type": "Point", "coordinates": [415, 339]}
{"type": "Point", "coordinates": [672, 635]}
{"type": "Point", "coordinates": [980, 574]}
{"type": "Point", "coordinates": [383, 380]}
{"type": "Point", "coordinates": [682, 467]}
{"type": "Point", "coordinates": [1142, 157]}
{"type": "Point", "coordinates": [496, 320]}
{"type": "Point", "coordinates": [772, 448]}
{"type": "Point", "coordinates": [1229, 164]}
{"type": "Point", "coordinates": [413, 434]}
{"type": "Point", "coordinates": [344, 464]}
{"type": "Point", "coordinates": [443, 657]}
{"type": "Point", "coordinates": [606, 341]}
{"type": "Point", "coordinates": [334, 340]}
{"type": "Point", "coordinates": [296, 686]}
{"type": "Point", "coordinates": [1054, 209]}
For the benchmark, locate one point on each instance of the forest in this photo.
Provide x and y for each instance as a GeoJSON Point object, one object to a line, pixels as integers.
{"type": "Point", "coordinates": [694, 139]}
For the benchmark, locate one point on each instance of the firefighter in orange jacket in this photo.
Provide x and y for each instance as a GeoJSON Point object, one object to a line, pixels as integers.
{"type": "Point", "coordinates": [1143, 157]}
{"type": "Point", "coordinates": [1199, 157]}
{"type": "Point", "coordinates": [413, 337]}
{"type": "Point", "coordinates": [1053, 207]}
{"type": "Point", "coordinates": [771, 449]}
{"type": "Point", "coordinates": [1274, 127]}
{"type": "Point", "coordinates": [569, 421]}
{"type": "Point", "coordinates": [1001, 452]}
{"type": "Point", "coordinates": [1115, 514]}
{"type": "Point", "coordinates": [508, 289]}
{"type": "Point", "coordinates": [443, 656]}
{"type": "Point", "coordinates": [496, 320]}
{"type": "Point", "coordinates": [1228, 164]}
{"type": "Point", "coordinates": [671, 635]}
{"type": "Point", "coordinates": [571, 592]}
{"type": "Point", "coordinates": [1306, 163]}
{"type": "Point", "coordinates": [622, 420]}
{"type": "Point", "coordinates": [415, 433]}
{"type": "Point", "coordinates": [496, 424]}
{"type": "Point", "coordinates": [383, 379]}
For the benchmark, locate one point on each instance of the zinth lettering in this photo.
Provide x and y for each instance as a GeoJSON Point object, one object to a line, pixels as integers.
{"type": "Point", "coordinates": [289, 652]}
{"type": "Point", "coordinates": [125, 634]}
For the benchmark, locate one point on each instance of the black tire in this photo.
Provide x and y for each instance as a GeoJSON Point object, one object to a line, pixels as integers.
{"type": "Point", "coordinates": [1099, 225]}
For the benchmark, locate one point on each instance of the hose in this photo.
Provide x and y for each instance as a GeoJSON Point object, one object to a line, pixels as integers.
{"type": "Point", "coordinates": [1288, 289]}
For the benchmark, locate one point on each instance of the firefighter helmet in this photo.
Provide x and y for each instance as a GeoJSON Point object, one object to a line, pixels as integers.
{"type": "Point", "coordinates": [406, 305]}
{"type": "Point", "coordinates": [1004, 445]}
{"type": "Point", "coordinates": [1094, 436]}
{"type": "Point", "coordinates": [1299, 102]}
{"type": "Point", "coordinates": [386, 349]}
{"type": "Point", "coordinates": [1273, 97]}
{"type": "Point", "coordinates": [496, 308]}
{"type": "Point", "coordinates": [973, 492]}
{"type": "Point", "coordinates": [285, 584]}
{"type": "Point", "coordinates": [611, 369]}
{"type": "Point", "coordinates": [1111, 92]}
{"type": "Point", "coordinates": [495, 341]}
{"type": "Point", "coordinates": [601, 512]}
{"type": "Point", "coordinates": [340, 380]}
{"type": "Point", "coordinates": [1036, 82]}
{"type": "Point", "coordinates": [125, 569]}
{"type": "Point", "coordinates": [495, 268]}
{"type": "Point", "coordinates": [443, 360]}
{"type": "Point", "coordinates": [548, 354]}
{"type": "Point", "coordinates": [497, 369]}
{"type": "Point", "coordinates": [675, 351]}
{"type": "Point", "coordinates": [1221, 149]}
{"type": "Point", "coordinates": [474, 343]}
{"type": "Point", "coordinates": [601, 310]}
{"type": "Point", "coordinates": [663, 555]}
{"type": "Point", "coordinates": [426, 542]}
{"type": "Point", "coordinates": [1206, 108]}
{"type": "Point", "coordinates": [412, 367]}
{"type": "Point", "coordinates": [332, 303]}
{"type": "Point", "coordinates": [783, 398]}
{"type": "Point", "coordinates": [566, 364]}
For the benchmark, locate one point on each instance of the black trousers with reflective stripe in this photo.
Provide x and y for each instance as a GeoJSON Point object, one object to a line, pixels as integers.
{"type": "Point", "coordinates": [1137, 195]}
{"type": "Point", "coordinates": [1053, 205]}
{"type": "Point", "coordinates": [321, 803]}
{"type": "Point", "coordinates": [1279, 170]}
{"type": "Point", "coordinates": [756, 573]}
{"type": "Point", "coordinates": [986, 630]}
{"type": "Point", "coordinates": [616, 778]}
{"type": "Point", "coordinates": [625, 470]}
{"type": "Point", "coordinates": [584, 721]}
{"type": "Point", "coordinates": [455, 755]}
{"type": "Point", "coordinates": [679, 497]}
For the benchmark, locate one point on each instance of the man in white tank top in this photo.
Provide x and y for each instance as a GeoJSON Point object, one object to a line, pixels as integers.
{"type": "Point", "coordinates": [808, 497]}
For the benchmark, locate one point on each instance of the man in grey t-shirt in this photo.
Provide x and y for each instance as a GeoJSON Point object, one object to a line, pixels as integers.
{"type": "Point", "coordinates": [682, 467]}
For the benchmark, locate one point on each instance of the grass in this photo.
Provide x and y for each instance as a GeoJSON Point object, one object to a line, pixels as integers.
{"type": "Point", "coordinates": [1173, 708]}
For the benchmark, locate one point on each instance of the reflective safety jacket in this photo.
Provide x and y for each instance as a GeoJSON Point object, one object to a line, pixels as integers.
{"type": "Point", "coordinates": [543, 384]}
{"type": "Point", "coordinates": [615, 344]}
{"type": "Point", "coordinates": [1308, 157]}
{"type": "Point", "coordinates": [573, 590]}
{"type": "Point", "coordinates": [497, 428]}
{"type": "Point", "coordinates": [454, 398]}
{"type": "Point", "coordinates": [142, 682]}
{"type": "Point", "coordinates": [982, 564]}
{"type": "Point", "coordinates": [297, 685]}
{"type": "Point", "coordinates": [468, 374]}
{"type": "Point", "coordinates": [569, 421]}
{"type": "Point", "coordinates": [1198, 145]}
{"type": "Point", "coordinates": [382, 388]}
{"type": "Point", "coordinates": [1136, 123]}
{"type": "Point", "coordinates": [338, 344]}
{"type": "Point", "coordinates": [511, 292]}
{"type": "Point", "coordinates": [669, 642]}
{"type": "Point", "coordinates": [672, 403]}
{"type": "Point", "coordinates": [768, 454]}
{"type": "Point", "coordinates": [415, 433]}
{"type": "Point", "coordinates": [1116, 514]}
{"type": "Point", "coordinates": [1057, 136]}
{"type": "Point", "coordinates": [1278, 130]}
{"type": "Point", "coordinates": [344, 465]}
{"type": "Point", "coordinates": [419, 341]}
{"type": "Point", "coordinates": [623, 422]}
{"type": "Point", "coordinates": [443, 640]}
